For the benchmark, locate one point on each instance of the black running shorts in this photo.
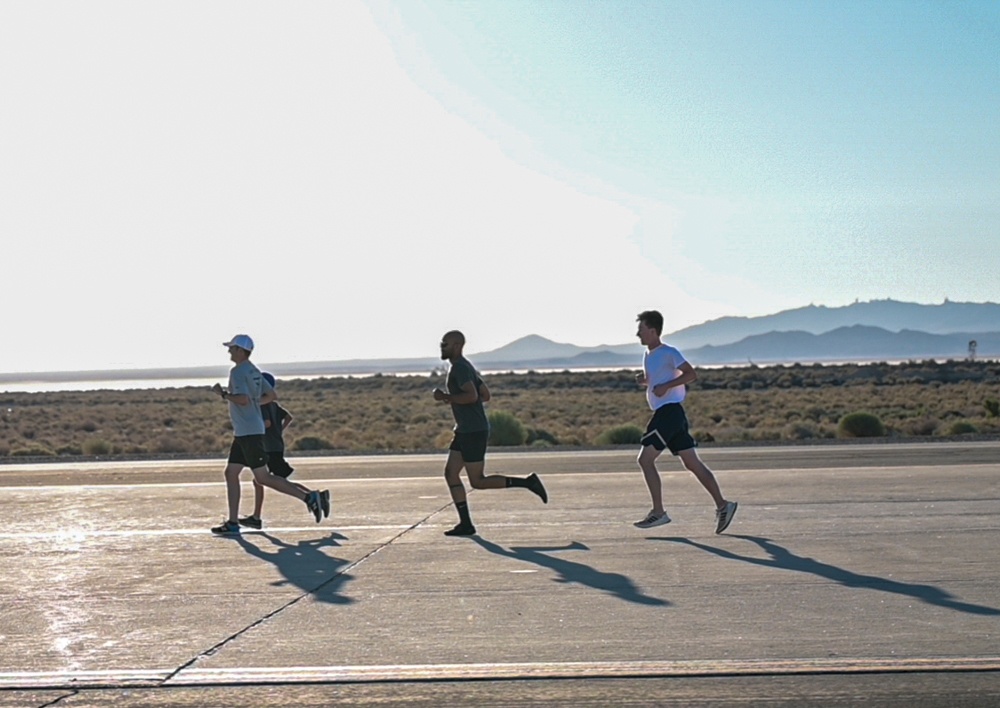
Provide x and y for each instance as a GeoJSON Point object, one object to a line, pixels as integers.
{"type": "Point", "coordinates": [471, 445]}
{"type": "Point", "coordinates": [248, 450]}
{"type": "Point", "coordinates": [668, 428]}
{"type": "Point", "coordinates": [278, 465]}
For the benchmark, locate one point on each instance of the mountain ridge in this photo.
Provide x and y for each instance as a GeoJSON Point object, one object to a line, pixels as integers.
{"type": "Point", "coordinates": [837, 334]}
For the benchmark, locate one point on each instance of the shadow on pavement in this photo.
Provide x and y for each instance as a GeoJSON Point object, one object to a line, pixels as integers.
{"type": "Point", "coordinates": [784, 559]}
{"type": "Point", "coordinates": [304, 564]}
{"type": "Point", "coordinates": [615, 584]}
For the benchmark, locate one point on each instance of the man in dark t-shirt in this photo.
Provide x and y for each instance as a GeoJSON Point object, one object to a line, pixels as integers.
{"type": "Point", "coordinates": [466, 394]}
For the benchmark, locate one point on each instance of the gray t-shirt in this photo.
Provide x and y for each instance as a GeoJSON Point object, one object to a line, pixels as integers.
{"type": "Point", "coordinates": [470, 418]}
{"type": "Point", "coordinates": [245, 379]}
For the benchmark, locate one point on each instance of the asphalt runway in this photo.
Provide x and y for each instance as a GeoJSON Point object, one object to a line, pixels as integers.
{"type": "Point", "coordinates": [853, 574]}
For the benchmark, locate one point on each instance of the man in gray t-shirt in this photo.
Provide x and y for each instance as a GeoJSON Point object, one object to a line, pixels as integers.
{"type": "Point", "coordinates": [246, 392]}
{"type": "Point", "coordinates": [466, 394]}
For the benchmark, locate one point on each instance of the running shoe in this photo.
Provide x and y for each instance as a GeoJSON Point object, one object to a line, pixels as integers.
{"type": "Point", "coordinates": [462, 530]}
{"type": "Point", "coordinates": [724, 516]}
{"type": "Point", "coordinates": [535, 485]}
{"type": "Point", "coordinates": [324, 502]}
{"type": "Point", "coordinates": [227, 528]}
{"type": "Point", "coordinates": [314, 505]}
{"type": "Point", "coordinates": [251, 522]}
{"type": "Point", "coordinates": [652, 519]}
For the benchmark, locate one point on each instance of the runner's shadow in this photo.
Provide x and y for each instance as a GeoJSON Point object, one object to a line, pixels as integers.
{"type": "Point", "coordinates": [615, 584]}
{"type": "Point", "coordinates": [784, 559]}
{"type": "Point", "coordinates": [304, 564]}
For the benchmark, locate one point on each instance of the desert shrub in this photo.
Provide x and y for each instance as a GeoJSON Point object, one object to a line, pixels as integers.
{"type": "Point", "coordinates": [992, 407]}
{"type": "Point", "coordinates": [860, 425]}
{"type": "Point", "coordinates": [96, 446]}
{"type": "Point", "coordinates": [620, 435]}
{"type": "Point", "coordinates": [33, 451]}
{"type": "Point", "coordinates": [88, 426]}
{"type": "Point", "coordinates": [505, 429]}
{"type": "Point", "coordinates": [443, 439]}
{"type": "Point", "coordinates": [799, 431]}
{"type": "Point", "coordinates": [537, 436]}
{"type": "Point", "coordinates": [961, 427]}
{"type": "Point", "coordinates": [921, 426]}
{"type": "Point", "coordinates": [345, 438]}
{"type": "Point", "coordinates": [170, 444]}
{"type": "Point", "coordinates": [312, 442]}
{"type": "Point", "coordinates": [815, 413]}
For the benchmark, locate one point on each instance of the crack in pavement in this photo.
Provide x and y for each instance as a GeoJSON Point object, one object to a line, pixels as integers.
{"type": "Point", "coordinates": [350, 566]}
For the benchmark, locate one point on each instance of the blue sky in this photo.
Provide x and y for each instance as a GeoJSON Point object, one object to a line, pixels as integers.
{"type": "Point", "coordinates": [352, 179]}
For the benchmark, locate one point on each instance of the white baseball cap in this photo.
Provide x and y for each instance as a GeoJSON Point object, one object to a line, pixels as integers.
{"type": "Point", "coordinates": [242, 341]}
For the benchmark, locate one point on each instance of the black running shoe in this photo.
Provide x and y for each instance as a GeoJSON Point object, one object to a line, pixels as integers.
{"type": "Point", "coordinates": [227, 528]}
{"type": "Point", "coordinates": [324, 502]}
{"type": "Point", "coordinates": [535, 485]}
{"type": "Point", "coordinates": [314, 506]}
{"type": "Point", "coordinates": [462, 530]}
{"type": "Point", "coordinates": [251, 522]}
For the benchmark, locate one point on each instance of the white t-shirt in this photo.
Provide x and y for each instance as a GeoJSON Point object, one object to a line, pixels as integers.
{"type": "Point", "coordinates": [661, 365]}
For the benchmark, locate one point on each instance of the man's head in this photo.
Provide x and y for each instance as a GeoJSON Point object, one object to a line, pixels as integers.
{"type": "Point", "coordinates": [451, 344]}
{"type": "Point", "coordinates": [239, 347]}
{"type": "Point", "coordinates": [650, 327]}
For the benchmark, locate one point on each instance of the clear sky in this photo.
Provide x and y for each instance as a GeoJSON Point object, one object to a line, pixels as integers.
{"type": "Point", "coordinates": [351, 179]}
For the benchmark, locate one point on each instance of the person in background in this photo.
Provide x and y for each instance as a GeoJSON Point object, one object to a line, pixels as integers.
{"type": "Point", "coordinates": [276, 419]}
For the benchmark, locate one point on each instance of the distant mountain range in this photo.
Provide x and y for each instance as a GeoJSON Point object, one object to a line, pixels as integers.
{"type": "Point", "coordinates": [880, 330]}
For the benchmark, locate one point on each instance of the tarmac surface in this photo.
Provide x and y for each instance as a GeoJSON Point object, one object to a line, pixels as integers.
{"type": "Point", "coordinates": [853, 574]}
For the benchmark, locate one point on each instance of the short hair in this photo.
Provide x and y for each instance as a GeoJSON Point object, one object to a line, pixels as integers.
{"type": "Point", "coordinates": [456, 335]}
{"type": "Point", "coordinates": [652, 319]}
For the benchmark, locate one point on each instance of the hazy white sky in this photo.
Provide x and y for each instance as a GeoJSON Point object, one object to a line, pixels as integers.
{"type": "Point", "coordinates": [351, 179]}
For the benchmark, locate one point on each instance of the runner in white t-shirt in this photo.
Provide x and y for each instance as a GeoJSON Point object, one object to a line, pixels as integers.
{"type": "Point", "coordinates": [665, 374]}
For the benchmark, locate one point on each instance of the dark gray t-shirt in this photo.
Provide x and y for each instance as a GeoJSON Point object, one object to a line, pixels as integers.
{"type": "Point", "coordinates": [470, 418]}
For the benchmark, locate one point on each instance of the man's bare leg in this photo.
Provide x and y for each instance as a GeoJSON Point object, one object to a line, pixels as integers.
{"type": "Point", "coordinates": [258, 498]}
{"type": "Point", "coordinates": [647, 463]}
{"type": "Point", "coordinates": [266, 478]}
{"type": "Point", "coordinates": [232, 475]}
{"type": "Point", "coordinates": [693, 462]}
{"type": "Point", "coordinates": [478, 478]}
{"type": "Point", "coordinates": [453, 476]}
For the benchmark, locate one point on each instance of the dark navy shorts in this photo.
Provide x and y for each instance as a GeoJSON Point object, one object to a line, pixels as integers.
{"type": "Point", "coordinates": [471, 445]}
{"type": "Point", "coordinates": [248, 450]}
{"type": "Point", "coordinates": [668, 429]}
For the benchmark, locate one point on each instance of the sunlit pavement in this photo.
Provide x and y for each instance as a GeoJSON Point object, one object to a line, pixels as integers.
{"type": "Point", "coordinates": [851, 573]}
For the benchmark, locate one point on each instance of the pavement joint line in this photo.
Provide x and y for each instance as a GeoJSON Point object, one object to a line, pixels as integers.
{"type": "Point", "coordinates": [516, 671]}
{"type": "Point", "coordinates": [294, 601]}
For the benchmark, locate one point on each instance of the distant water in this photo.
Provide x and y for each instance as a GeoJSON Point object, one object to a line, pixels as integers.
{"type": "Point", "coordinates": [208, 382]}
{"type": "Point", "coordinates": [110, 385]}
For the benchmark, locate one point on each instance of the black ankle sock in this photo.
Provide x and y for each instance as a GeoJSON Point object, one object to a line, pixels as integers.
{"type": "Point", "coordinates": [517, 482]}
